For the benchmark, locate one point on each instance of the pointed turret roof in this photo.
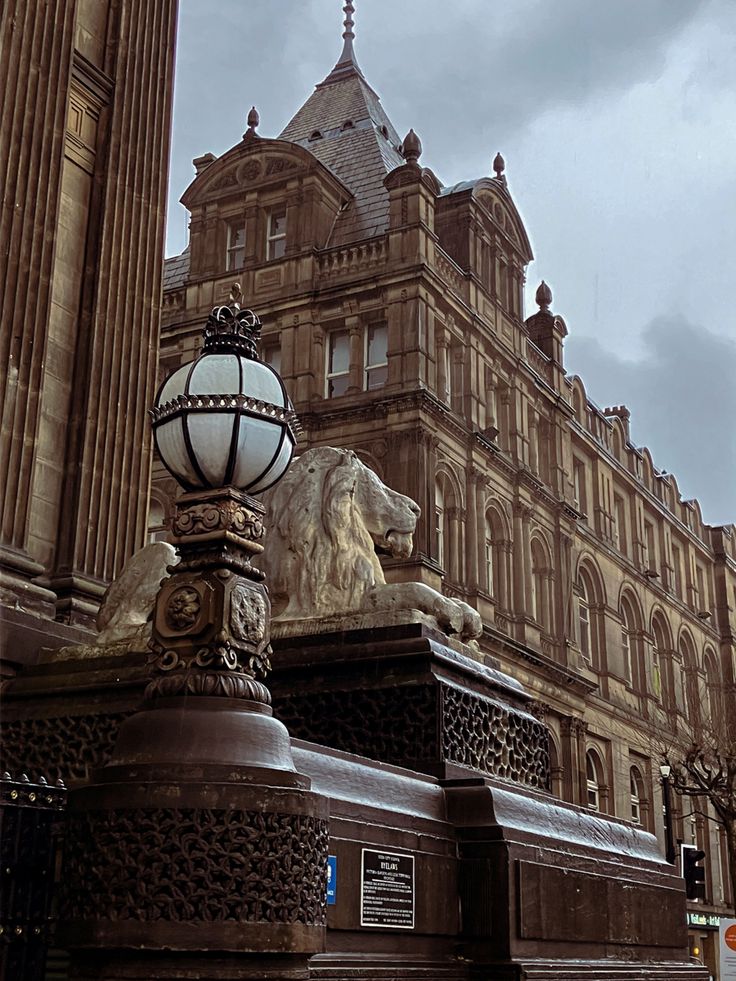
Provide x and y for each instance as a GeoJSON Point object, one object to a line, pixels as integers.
{"type": "Point", "coordinates": [344, 126]}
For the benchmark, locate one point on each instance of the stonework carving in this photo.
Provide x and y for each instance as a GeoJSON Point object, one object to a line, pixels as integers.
{"type": "Point", "coordinates": [248, 614]}
{"type": "Point", "coordinates": [183, 608]}
{"type": "Point", "coordinates": [401, 726]}
{"type": "Point", "coordinates": [487, 735]}
{"type": "Point", "coordinates": [225, 515]}
{"type": "Point", "coordinates": [252, 170]}
{"type": "Point", "coordinates": [325, 520]}
{"type": "Point", "coordinates": [195, 865]}
{"type": "Point", "coordinates": [67, 747]}
{"type": "Point", "coordinates": [364, 721]}
{"type": "Point", "coordinates": [128, 602]}
{"type": "Point", "coordinates": [279, 165]}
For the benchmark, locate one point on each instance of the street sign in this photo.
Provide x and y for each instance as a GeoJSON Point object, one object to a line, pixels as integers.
{"type": "Point", "coordinates": [331, 880]}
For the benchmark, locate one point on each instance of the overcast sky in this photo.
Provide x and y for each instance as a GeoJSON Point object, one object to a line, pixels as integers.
{"type": "Point", "coordinates": [616, 120]}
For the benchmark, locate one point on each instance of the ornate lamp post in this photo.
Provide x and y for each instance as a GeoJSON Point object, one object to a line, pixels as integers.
{"type": "Point", "coordinates": [200, 845]}
{"type": "Point", "coordinates": [670, 854]}
{"type": "Point", "coordinates": [223, 426]}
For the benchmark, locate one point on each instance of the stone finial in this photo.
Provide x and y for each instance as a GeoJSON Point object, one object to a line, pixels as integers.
{"type": "Point", "coordinates": [499, 165]}
{"type": "Point", "coordinates": [253, 122]}
{"type": "Point", "coordinates": [202, 163]}
{"type": "Point", "coordinates": [411, 148]}
{"type": "Point", "coordinates": [236, 295]}
{"type": "Point", "coordinates": [543, 296]}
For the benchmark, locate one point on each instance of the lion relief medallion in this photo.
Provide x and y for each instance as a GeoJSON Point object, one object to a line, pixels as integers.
{"type": "Point", "coordinates": [183, 608]}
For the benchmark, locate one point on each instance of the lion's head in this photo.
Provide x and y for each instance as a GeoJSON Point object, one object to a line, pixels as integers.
{"type": "Point", "coordinates": [325, 520]}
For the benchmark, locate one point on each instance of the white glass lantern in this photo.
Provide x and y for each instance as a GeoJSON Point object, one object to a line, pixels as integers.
{"type": "Point", "coordinates": [225, 419]}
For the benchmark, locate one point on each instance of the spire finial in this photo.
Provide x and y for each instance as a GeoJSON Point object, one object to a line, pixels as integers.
{"type": "Point", "coordinates": [499, 165]}
{"type": "Point", "coordinates": [411, 148]}
{"type": "Point", "coordinates": [543, 296]}
{"type": "Point", "coordinates": [252, 122]}
{"type": "Point", "coordinates": [348, 35]}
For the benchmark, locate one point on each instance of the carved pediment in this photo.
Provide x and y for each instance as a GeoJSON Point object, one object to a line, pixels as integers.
{"type": "Point", "coordinates": [506, 217]}
{"type": "Point", "coordinates": [252, 163]}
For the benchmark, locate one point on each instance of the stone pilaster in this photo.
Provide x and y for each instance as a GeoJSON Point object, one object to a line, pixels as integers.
{"type": "Point", "coordinates": [35, 65]}
{"type": "Point", "coordinates": [105, 493]}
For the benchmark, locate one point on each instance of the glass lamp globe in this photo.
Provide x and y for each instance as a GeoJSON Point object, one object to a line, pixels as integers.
{"type": "Point", "coordinates": [225, 419]}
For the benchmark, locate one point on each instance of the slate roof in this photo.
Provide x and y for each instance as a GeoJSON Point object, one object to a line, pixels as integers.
{"type": "Point", "coordinates": [176, 270]}
{"type": "Point", "coordinates": [360, 155]}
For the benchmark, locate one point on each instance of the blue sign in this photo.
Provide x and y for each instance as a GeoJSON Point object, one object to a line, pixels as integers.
{"type": "Point", "coordinates": [331, 880]}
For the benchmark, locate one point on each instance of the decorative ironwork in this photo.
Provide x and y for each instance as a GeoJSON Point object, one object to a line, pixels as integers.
{"type": "Point", "coordinates": [230, 328]}
{"type": "Point", "coordinates": [195, 866]}
{"type": "Point", "coordinates": [66, 746]}
{"type": "Point", "coordinates": [30, 834]}
{"type": "Point", "coordinates": [217, 403]}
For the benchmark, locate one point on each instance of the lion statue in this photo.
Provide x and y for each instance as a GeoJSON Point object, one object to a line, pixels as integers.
{"type": "Point", "coordinates": [124, 615]}
{"type": "Point", "coordinates": [325, 521]}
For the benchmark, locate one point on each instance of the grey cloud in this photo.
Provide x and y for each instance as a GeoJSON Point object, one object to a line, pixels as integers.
{"type": "Point", "coordinates": [682, 398]}
{"type": "Point", "coordinates": [536, 57]}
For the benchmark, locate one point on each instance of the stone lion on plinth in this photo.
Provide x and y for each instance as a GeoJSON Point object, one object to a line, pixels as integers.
{"type": "Point", "coordinates": [324, 522]}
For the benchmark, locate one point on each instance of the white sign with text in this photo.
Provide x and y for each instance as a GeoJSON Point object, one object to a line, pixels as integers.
{"type": "Point", "coordinates": [727, 934]}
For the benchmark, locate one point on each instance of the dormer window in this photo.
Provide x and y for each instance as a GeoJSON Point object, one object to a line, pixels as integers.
{"type": "Point", "coordinates": [235, 254]}
{"type": "Point", "coordinates": [276, 233]}
{"type": "Point", "coordinates": [315, 135]}
{"type": "Point", "coordinates": [348, 124]}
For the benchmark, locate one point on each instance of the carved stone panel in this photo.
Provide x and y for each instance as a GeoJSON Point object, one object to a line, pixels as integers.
{"type": "Point", "coordinates": [195, 865]}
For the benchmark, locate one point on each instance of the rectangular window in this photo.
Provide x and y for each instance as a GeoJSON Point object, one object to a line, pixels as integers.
{"type": "Point", "coordinates": [677, 570]}
{"type": "Point", "coordinates": [235, 257]}
{"type": "Point", "coordinates": [578, 476]}
{"type": "Point", "coordinates": [272, 356]}
{"type": "Point", "coordinates": [651, 551]}
{"type": "Point", "coordinates": [276, 234]}
{"type": "Point", "coordinates": [619, 524]}
{"type": "Point", "coordinates": [338, 363]}
{"type": "Point", "coordinates": [626, 650]}
{"type": "Point", "coordinates": [376, 361]}
{"type": "Point", "coordinates": [439, 530]}
{"type": "Point", "coordinates": [585, 630]}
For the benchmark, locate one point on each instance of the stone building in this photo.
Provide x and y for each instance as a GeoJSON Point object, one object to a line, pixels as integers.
{"type": "Point", "coordinates": [393, 308]}
{"type": "Point", "coordinates": [85, 119]}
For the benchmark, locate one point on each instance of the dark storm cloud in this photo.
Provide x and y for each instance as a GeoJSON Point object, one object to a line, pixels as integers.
{"type": "Point", "coordinates": [526, 58]}
{"type": "Point", "coordinates": [682, 397]}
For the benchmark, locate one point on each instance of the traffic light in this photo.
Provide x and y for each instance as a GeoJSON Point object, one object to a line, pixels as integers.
{"type": "Point", "coordinates": [692, 872]}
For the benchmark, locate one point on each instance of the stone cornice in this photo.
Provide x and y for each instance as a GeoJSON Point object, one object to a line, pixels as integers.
{"type": "Point", "coordinates": [551, 669]}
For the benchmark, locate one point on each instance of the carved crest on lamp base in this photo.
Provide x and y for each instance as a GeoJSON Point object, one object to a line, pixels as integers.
{"type": "Point", "coordinates": [211, 623]}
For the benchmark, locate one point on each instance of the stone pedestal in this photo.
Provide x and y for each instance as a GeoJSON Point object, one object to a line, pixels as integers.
{"type": "Point", "coordinates": [199, 851]}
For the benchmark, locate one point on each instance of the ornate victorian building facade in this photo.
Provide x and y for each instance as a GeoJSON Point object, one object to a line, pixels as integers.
{"type": "Point", "coordinates": [393, 309]}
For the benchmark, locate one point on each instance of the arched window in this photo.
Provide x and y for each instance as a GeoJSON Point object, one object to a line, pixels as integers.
{"type": "Point", "coordinates": [157, 529]}
{"type": "Point", "coordinates": [440, 520]}
{"type": "Point", "coordinates": [555, 769]}
{"type": "Point", "coordinates": [584, 604]}
{"type": "Point", "coordinates": [689, 679]}
{"type": "Point", "coordinates": [541, 583]}
{"type": "Point", "coordinates": [491, 544]}
{"type": "Point", "coordinates": [497, 549]}
{"type": "Point", "coordinates": [448, 527]}
{"type": "Point", "coordinates": [637, 795]}
{"type": "Point", "coordinates": [662, 676]}
{"type": "Point", "coordinates": [713, 686]}
{"type": "Point", "coordinates": [627, 633]}
{"type": "Point", "coordinates": [631, 645]}
{"type": "Point", "coordinates": [594, 780]}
